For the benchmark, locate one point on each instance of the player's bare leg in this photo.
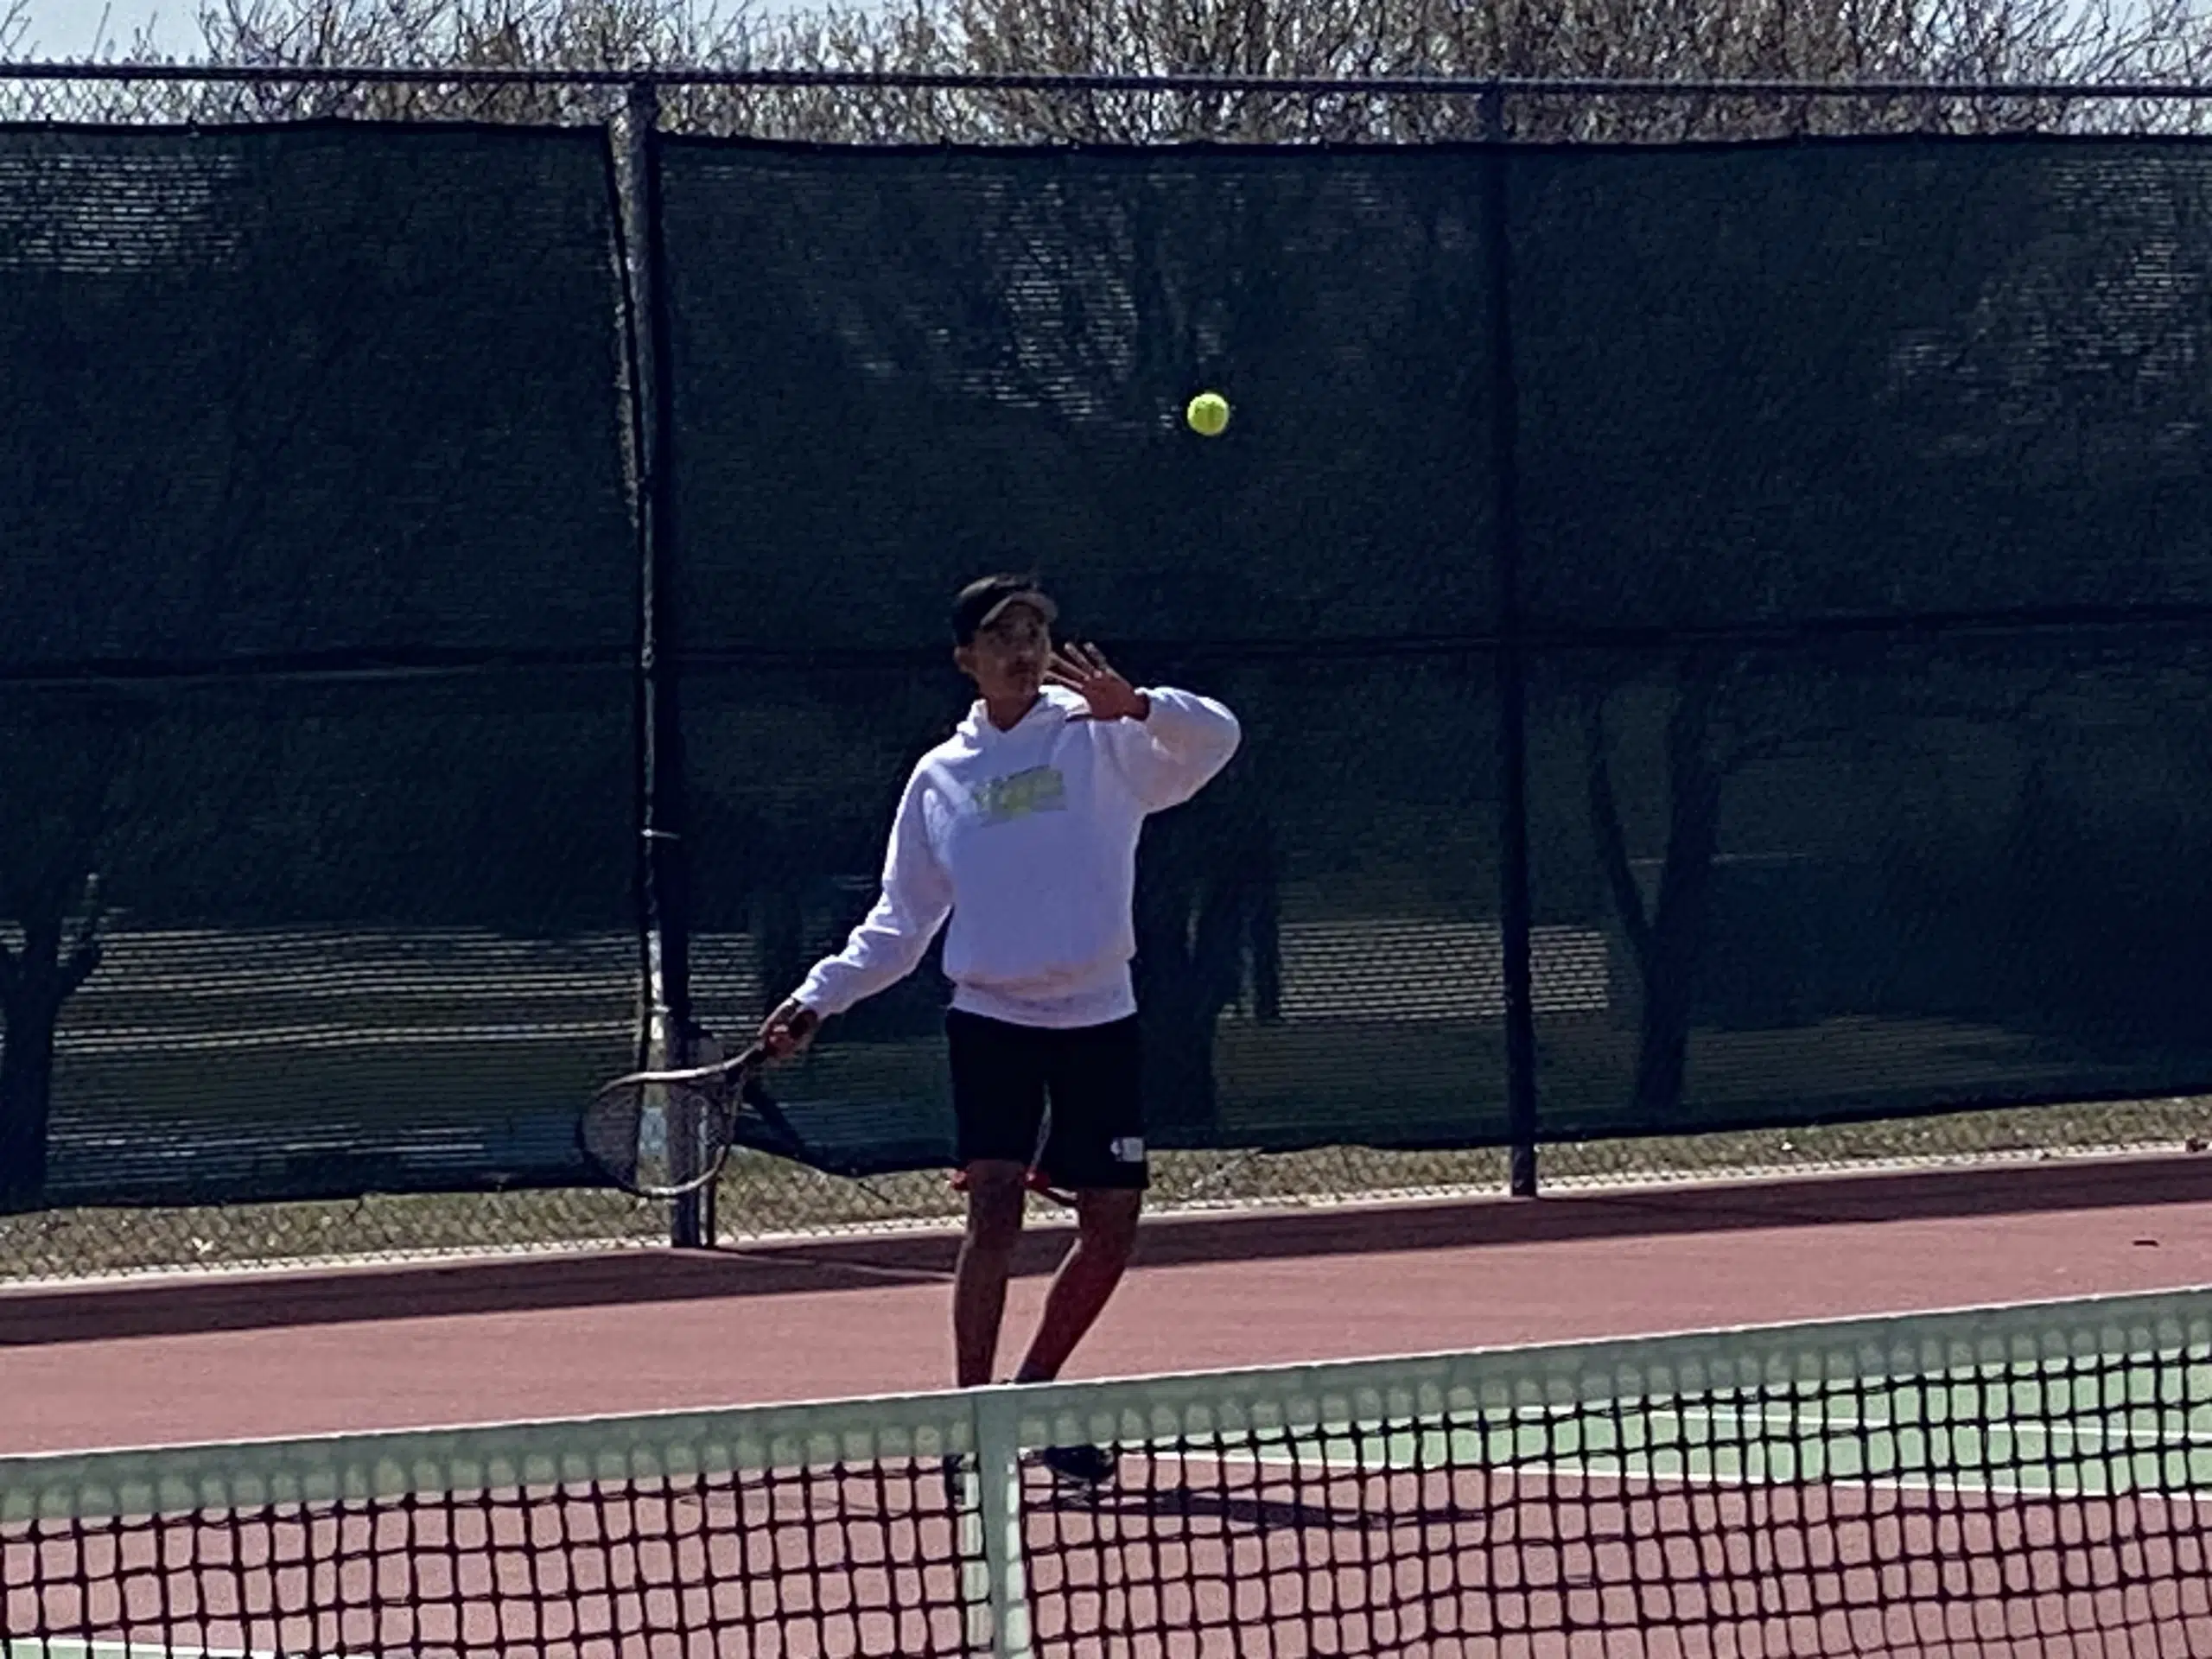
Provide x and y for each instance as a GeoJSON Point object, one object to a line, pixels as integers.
{"type": "Point", "coordinates": [979, 1279]}
{"type": "Point", "coordinates": [1106, 1234]}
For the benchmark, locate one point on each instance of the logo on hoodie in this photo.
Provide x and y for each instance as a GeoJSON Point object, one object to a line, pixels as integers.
{"type": "Point", "coordinates": [1021, 795]}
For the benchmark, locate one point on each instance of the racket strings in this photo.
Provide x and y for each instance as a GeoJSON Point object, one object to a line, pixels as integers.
{"type": "Point", "coordinates": [659, 1137]}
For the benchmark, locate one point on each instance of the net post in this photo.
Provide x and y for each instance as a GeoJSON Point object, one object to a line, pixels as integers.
{"type": "Point", "coordinates": [1515, 922]}
{"type": "Point", "coordinates": [663, 873]}
{"type": "Point", "coordinates": [998, 1472]}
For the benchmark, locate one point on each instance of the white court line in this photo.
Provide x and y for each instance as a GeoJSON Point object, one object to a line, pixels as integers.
{"type": "Point", "coordinates": [1810, 1424]}
{"type": "Point", "coordinates": [1789, 1416]}
{"type": "Point", "coordinates": [1598, 1470]}
{"type": "Point", "coordinates": [2184, 1440]}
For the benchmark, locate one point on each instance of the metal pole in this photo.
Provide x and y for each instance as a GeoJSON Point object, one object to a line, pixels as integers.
{"type": "Point", "coordinates": [1515, 905]}
{"type": "Point", "coordinates": [666, 888]}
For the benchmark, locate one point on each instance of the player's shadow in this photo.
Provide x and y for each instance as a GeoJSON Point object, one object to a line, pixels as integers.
{"type": "Point", "coordinates": [1257, 1512]}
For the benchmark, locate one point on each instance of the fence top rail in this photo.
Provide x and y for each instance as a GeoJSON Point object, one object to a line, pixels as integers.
{"type": "Point", "coordinates": [678, 75]}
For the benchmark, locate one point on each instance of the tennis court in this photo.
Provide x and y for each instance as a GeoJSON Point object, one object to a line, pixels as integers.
{"type": "Point", "coordinates": [2031, 1478]}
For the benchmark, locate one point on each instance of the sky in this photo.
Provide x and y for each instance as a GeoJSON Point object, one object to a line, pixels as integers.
{"type": "Point", "coordinates": [71, 28]}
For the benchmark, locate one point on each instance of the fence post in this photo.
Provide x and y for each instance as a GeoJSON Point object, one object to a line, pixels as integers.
{"type": "Point", "coordinates": [1515, 905]}
{"type": "Point", "coordinates": [663, 867]}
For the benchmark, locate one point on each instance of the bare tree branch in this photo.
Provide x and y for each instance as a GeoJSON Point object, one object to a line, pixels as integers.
{"type": "Point", "coordinates": [2087, 41]}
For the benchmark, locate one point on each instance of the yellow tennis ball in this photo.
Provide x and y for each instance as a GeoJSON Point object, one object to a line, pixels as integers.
{"type": "Point", "coordinates": [1208, 414]}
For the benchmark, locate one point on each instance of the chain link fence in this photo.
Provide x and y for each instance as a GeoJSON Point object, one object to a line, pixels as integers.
{"type": "Point", "coordinates": [760, 1196]}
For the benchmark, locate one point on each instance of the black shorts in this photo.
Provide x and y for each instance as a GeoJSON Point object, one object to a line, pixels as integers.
{"type": "Point", "coordinates": [1004, 1076]}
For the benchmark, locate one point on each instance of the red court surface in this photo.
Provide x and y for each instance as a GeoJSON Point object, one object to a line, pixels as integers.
{"type": "Point", "coordinates": [1269, 1552]}
{"type": "Point", "coordinates": [158, 1361]}
{"type": "Point", "coordinates": [1167, 1565]}
{"type": "Point", "coordinates": [1503, 1562]}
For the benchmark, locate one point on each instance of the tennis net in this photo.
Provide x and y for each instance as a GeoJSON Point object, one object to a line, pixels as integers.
{"type": "Point", "coordinates": [2022, 1479]}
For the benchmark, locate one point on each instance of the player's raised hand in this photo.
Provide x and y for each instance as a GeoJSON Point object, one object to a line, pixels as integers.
{"type": "Point", "coordinates": [1084, 670]}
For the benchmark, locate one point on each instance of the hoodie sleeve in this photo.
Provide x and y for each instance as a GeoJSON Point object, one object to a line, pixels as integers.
{"type": "Point", "coordinates": [1175, 752]}
{"type": "Point", "coordinates": [890, 943]}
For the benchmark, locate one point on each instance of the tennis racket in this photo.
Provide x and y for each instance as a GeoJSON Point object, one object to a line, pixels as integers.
{"type": "Point", "coordinates": [663, 1134]}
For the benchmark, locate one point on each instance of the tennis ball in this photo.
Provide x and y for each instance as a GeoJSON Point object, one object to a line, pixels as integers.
{"type": "Point", "coordinates": [1208, 414]}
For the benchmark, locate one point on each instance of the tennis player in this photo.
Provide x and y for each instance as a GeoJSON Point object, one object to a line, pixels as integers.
{"type": "Point", "coordinates": [1022, 829]}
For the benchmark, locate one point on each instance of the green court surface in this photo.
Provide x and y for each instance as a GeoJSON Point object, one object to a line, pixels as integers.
{"type": "Point", "coordinates": [2054, 1437]}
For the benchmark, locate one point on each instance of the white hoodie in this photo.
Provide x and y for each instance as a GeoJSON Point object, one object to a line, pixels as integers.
{"type": "Point", "coordinates": [1027, 840]}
